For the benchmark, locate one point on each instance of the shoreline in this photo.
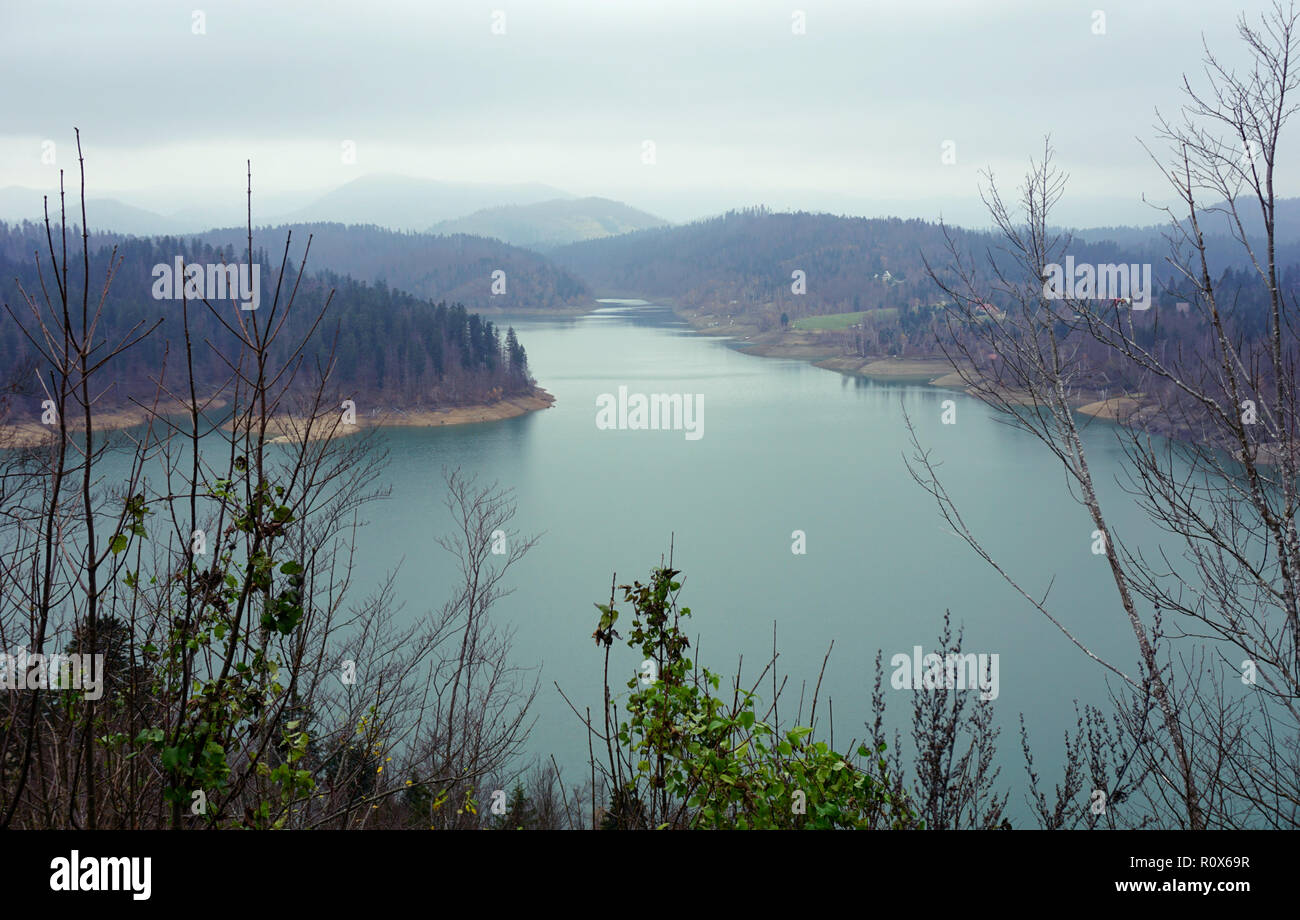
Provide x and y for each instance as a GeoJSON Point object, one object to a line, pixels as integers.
{"type": "Point", "coordinates": [805, 345]}
{"type": "Point", "coordinates": [935, 371]}
{"type": "Point", "coordinates": [34, 434]}
{"type": "Point", "coordinates": [802, 344]}
{"type": "Point", "coordinates": [1133, 411]}
{"type": "Point", "coordinates": [30, 433]}
{"type": "Point", "coordinates": [289, 431]}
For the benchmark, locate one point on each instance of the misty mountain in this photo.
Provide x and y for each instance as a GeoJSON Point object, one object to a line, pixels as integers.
{"type": "Point", "coordinates": [1215, 224]}
{"type": "Point", "coordinates": [407, 203]}
{"type": "Point", "coordinates": [18, 204]}
{"type": "Point", "coordinates": [550, 224]}
{"type": "Point", "coordinates": [453, 268]}
{"type": "Point", "coordinates": [152, 212]}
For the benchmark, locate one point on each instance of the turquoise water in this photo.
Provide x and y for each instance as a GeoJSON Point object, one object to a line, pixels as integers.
{"type": "Point", "coordinates": [786, 446]}
{"type": "Point", "coordinates": [783, 447]}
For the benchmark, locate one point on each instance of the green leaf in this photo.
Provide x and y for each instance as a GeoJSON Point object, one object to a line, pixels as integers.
{"type": "Point", "coordinates": [117, 544]}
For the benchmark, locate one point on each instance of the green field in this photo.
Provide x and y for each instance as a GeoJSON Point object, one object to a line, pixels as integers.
{"type": "Point", "coordinates": [836, 322]}
{"type": "Point", "coordinates": [831, 321]}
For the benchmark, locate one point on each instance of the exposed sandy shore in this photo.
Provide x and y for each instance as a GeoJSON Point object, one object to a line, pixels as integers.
{"type": "Point", "coordinates": [34, 434]}
{"type": "Point", "coordinates": [932, 370]}
{"type": "Point", "coordinates": [289, 430]}
{"type": "Point", "coordinates": [950, 379]}
{"type": "Point", "coordinates": [936, 371]}
{"type": "Point", "coordinates": [1133, 410]}
{"type": "Point", "coordinates": [811, 345]}
{"type": "Point", "coordinates": [808, 351]}
{"type": "Point", "coordinates": [1113, 409]}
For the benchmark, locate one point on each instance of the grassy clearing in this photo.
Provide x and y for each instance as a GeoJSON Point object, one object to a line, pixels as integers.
{"type": "Point", "coordinates": [832, 322]}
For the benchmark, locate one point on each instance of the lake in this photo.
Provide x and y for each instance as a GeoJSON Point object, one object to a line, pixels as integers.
{"type": "Point", "coordinates": [783, 447]}
{"type": "Point", "coordinates": [771, 447]}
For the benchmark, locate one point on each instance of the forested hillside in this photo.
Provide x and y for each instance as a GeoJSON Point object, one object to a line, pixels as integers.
{"type": "Point", "coordinates": [749, 257]}
{"type": "Point", "coordinates": [743, 265]}
{"type": "Point", "coordinates": [1217, 226]}
{"type": "Point", "coordinates": [392, 347]}
{"type": "Point", "coordinates": [869, 278]}
{"type": "Point", "coordinates": [454, 268]}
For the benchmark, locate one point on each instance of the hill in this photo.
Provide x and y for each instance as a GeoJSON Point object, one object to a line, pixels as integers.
{"type": "Point", "coordinates": [454, 268]}
{"type": "Point", "coordinates": [550, 224]}
{"type": "Point", "coordinates": [18, 204]}
{"type": "Point", "coordinates": [745, 261]}
{"type": "Point", "coordinates": [393, 348]}
{"type": "Point", "coordinates": [1217, 227]}
{"type": "Point", "coordinates": [407, 203]}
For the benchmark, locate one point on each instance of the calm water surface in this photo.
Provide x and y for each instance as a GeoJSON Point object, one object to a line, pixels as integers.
{"type": "Point", "coordinates": [786, 446]}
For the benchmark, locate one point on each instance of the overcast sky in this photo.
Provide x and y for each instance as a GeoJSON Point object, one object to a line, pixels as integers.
{"type": "Point", "coordinates": [741, 109]}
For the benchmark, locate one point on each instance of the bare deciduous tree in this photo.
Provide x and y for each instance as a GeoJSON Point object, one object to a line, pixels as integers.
{"type": "Point", "coordinates": [212, 569]}
{"type": "Point", "coordinates": [1224, 487]}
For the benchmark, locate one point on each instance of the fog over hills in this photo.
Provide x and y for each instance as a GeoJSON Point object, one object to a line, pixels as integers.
{"type": "Point", "coordinates": [550, 224]}
{"type": "Point", "coordinates": [18, 204]}
{"type": "Point", "coordinates": [1214, 220]}
{"type": "Point", "coordinates": [407, 203]}
{"type": "Point", "coordinates": [540, 216]}
{"type": "Point", "coordinates": [391, 201]}
{"type": "Point", "coordinates": [149, 212]}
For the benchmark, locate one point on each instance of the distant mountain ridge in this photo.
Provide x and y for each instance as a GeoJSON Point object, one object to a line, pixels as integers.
{"type": "Point", "coordinates": [407, 203]}
{"type": "Point", "coordinates": [18, 204]}
{"type": "Point", "coordinates": [550, 224]}
{"type": "Point", "coordinates": [1213, 223]}
{"type": "Point", "coordinates": [766, 264]}
{"type": "Point", "coordinates": [455, 268]}
{"type": "Point", "coordinates": [391, 201]}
